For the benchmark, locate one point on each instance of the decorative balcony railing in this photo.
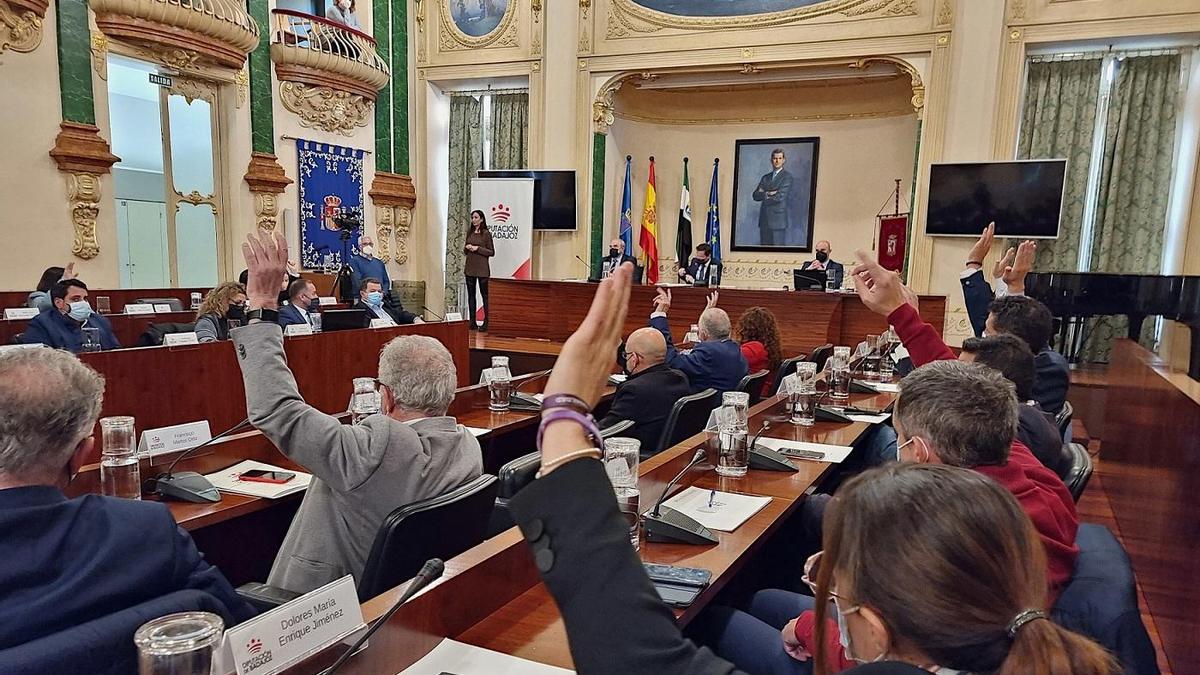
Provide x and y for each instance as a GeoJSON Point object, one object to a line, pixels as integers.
{"type": "Point", "coordinates": [314, 51]}
{"type": "Point", "coordinates": [182, 33]}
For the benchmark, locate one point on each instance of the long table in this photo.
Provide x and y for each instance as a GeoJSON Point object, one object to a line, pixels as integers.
{"type": "Point", "coordinates": [128, 328]}
{"type": "Point", "coordinates": [117, 297]}
{"type": "Point", "coordinates": [552, 310]}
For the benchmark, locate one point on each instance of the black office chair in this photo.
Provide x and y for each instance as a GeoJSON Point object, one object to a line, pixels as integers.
{"type": "Point", "coordinates": [1062, 420]}
{"type": "Point", "coordinates": [753, 384]}
{"type": "Point", "coordinates": [156, 333]}
{"type": "Point", "coordinates": [820, 355]}
{"type": "Point", "coordinates": [512, 478]}
{"type": "Point", "coordinates": [786, 368]}
{"type": "Point", "coordinates": [616, 429]}
{"type": "Point", "coordinates": [688, 417]}
{"type": "Point", "coordinates": [175, 303]}
{"type": "Point", "coordinates": [1079, 470]}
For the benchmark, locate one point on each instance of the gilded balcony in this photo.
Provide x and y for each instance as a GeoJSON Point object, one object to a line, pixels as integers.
{"type": "Point", "coordinates": [320, 53]}
{"type": "Point", "coordinates": [183, 33]}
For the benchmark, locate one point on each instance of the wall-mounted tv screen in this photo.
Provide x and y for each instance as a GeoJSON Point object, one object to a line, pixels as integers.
{"type": "Point", "coordinates": [1023, 198]}
{"type": "Point", "coordinates": [553, 196]}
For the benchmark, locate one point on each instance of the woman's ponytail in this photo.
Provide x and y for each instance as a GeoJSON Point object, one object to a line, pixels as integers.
{"type": "Point", "coordinates": [1041, 646]}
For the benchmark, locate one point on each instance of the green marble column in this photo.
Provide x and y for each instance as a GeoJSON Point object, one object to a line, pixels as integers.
{"type": "Point", "coordinates": [262, 122]}
{"type": "Point", "coordinates": [381, 12]}
{"type": "Point", "coordinates": [597, 237]}
{"type": "Point", "coordinates": [75, 62]}
{"type": "Point", "coordinates": [399, 86]}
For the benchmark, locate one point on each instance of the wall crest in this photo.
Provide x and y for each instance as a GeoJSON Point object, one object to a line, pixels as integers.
{"type": "Point", "coordinates": [325, 108]}
{"type": "Point", "coordinates": [21, 24]}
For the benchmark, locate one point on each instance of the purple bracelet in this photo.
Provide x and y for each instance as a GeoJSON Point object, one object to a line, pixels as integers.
{"type": "Point", "coordinates": [568, 415]}
{"type": "Point", "coordinates": [568, 401]}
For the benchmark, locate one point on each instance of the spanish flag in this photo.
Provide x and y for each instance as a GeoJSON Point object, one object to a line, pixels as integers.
{"type": "Point", "coordinates": [649, 237]}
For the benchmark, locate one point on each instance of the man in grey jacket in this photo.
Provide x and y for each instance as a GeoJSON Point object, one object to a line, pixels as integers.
{"type": "Point", "coordinates": [412, 451]}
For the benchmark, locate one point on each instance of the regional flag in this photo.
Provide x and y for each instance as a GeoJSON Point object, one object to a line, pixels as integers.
{"type": "Point", "coordinates": [649, 237]}
{"type": "Point", "coordinates": [626, 228]}
{"type": "Point", "coordinates": [683, 237]}
{"type": "Point", "coordinates": [712, 229]}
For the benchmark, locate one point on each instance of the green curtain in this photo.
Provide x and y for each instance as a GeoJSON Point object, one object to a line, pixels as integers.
{"type": "Point", "coordinates": [510, 131]}
{"type": "Point", "coordinates": [1135, 183]}
{"type": "Point", "coordinates": [466, 159]}
{"type": "Point", "coordinates": [1059, 120]}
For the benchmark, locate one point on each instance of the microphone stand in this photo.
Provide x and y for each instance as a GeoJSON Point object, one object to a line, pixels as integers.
{"type": "Point", "coordinates": [190, 486]}
{"type": "Point", "coordinates": [437, 316]}
{"type": "Point", "coordinates": [672, 526]}
{"type": "Point", "coordinates": [585, 264]}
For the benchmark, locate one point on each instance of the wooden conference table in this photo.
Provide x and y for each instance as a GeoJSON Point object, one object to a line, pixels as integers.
{"type": "Point", "coordinates": [491, 596]}
{"type": "Point", "coordinates": [552, 310]}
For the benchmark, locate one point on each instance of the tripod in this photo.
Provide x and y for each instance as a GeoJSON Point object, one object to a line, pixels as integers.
{"type": "Point", "coordinates": [343, 282]}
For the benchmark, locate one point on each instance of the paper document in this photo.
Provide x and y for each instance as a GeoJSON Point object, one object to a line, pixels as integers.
{"type": "Point", "coordinates": [228, 481]}
{"type": "Point", "coordinates": [834, 454]}
{"type": "Point", "coordinates": [870, 419]}
{"type": "Point", "coordinates": [727, 511]}
{"type": "Point", "coordinates": [451, 657]}
{"type": "Point", "coordinates": [886, 387]}
{"type": "Point", "coordinates": [476, 431]}
{"type": "Point", "coordinates": [617, 378]}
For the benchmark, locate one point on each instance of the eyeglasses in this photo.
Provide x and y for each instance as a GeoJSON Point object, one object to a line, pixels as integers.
{"type": "Point", "coordinates": [812, 568]}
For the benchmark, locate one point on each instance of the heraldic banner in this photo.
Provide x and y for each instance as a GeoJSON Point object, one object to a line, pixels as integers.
{"type": "Point", "coordinates": [331, 199]}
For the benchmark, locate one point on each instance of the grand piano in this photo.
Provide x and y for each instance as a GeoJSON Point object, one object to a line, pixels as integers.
{"type": "Point", "coordinates": [1076, 296]}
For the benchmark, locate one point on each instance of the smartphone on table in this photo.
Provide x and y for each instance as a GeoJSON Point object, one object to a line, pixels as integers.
{"type": "Point", "coordinates": [262, 476]}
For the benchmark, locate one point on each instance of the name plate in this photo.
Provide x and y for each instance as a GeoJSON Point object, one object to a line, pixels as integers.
{"type": "Point", "coordinates": [163, 309]}
{"type": "Point", "coordinates": [326, 300]}
{"type": "Point", "coordinates": [382, 323]}
{"type": "Point", "coordinates": [274, 641]}
{"type": "Point", "coordinates": [21, 312]}
{"type": "Point", "coordinates": [173, 439]}
{"type": "Point", "coordinates": [139, 308]}
{"type": "Point", "coordinates": [175, 339]}
{"type": "Point", "coordinates": [297, 329]}
{"type": "Point", "coordinates": [454, 316]}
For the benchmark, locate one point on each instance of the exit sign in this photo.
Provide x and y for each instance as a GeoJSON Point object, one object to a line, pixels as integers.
{"type": "Point", "coordinates": [161, 80]}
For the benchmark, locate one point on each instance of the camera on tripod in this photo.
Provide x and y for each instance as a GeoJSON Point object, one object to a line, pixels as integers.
{"type": "Point", "coordinates": [348, 224]}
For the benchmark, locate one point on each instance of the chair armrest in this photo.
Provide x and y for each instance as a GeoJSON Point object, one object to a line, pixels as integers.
{"type": "Point", "coordinates": [264, 597]}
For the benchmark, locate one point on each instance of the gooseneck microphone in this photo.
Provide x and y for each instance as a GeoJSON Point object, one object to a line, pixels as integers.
{"type": "Point", "coordinates": [585, 264]}
{"type": "Point", "coordinates": [430, 572]}
{"type": "Point", "coordinates": [672, 526]}
{"type": "Point", "coordinates": [437, 316]}
{"type": "Point", "coordinates": [189, 486]}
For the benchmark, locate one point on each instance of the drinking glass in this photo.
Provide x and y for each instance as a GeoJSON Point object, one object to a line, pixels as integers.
{"type": "Point", "coordinates": [365, 400]}
{"type": "Point", "coordinates": [693, 334]}
{"type": "Point", "coordinates": [91, 340]}
{"type": "Point", "coordinates": [621, 463]}
{"type": "Point", "coordinates": [499, 385]}
{"type": "Point", "coordinates": [315, 320]}
{"type": "Point", "coordinates": [802, 394]}
{"type": "Point", "coordinates": [871, 359]}
{"type": "Point", "coordinates": [838, 376]}
{"type": "Point", "coordinates": [178, 644]}
{"type": "Point", "coordinates": [195, 297]}
{"type": "Point", "coordinates": [733, 457]}
{"type": "Point", "coordinates": [103, 304]}
{"type": "Point", "coordinates": [830, 281]}
{"type": "Point", "coordinates": [120, 475]}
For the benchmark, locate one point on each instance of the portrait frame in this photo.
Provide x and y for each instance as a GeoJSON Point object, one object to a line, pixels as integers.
{"type": "Point", "coordinates": [454, 21]}
{"type": "Point", "coordinates": [759, 222]}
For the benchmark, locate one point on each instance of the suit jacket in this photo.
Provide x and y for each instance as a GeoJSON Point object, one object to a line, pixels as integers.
{"type": "Point", "coordinates": [1038, 433]}
{"type": "Point", "coordinates": [607, 264]}
{"type": "Point", "coordinates": [397, 313]}
{"type": "Point", "coordinates": [839, 271]}
{"type": "Point", "coordinates": [290, 316]}
{"type": "Point", "coordinates": [773, 214]}
{"type": "Point", "coordinates": [977, 295]}
{"type": "Point", "coordinates": [69, 561]}
{"type": "Point", "coordinates": [647, 398]}
{"type": "Point", "coordinates": [580, 545]}
{"type": "Point", "coordinates": [477, 264]}
{"type": "Point", "coordinates": [707, 272]}
{"type": "Point", "coordinates": [55, 329]}
{"type": "Point", "coordinates": [716, 364]}
{"type": "Point", "coordinates": [361, 473]}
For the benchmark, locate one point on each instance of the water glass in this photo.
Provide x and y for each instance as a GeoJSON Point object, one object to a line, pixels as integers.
{"type": "Point", "coordinates": [733, 456]}
{"type": "Point", "coordinates": [120, 475]}
{"type": "Point", "coordinates": [314, 319]}
{"type": "Point", "coordinates": [693, 334]}
{"type": "Point", "coordinates": [830, 281]}
{"type": "Point", "coordinates": [838, 375]}
{"type": "Point", "coordinates": [621, 463]}
{"type": "Point", "coordinates": [195, 301]}
{"type": "Point", "coordinates": [178, 644]}
{"type": "Point", "coordinates": [802, 394]}
{"type": "Point", "coordinates": [871, 359]}
{"type": "Point", "coordinates": [103, 304]}
{"type": "Point", "coordinates": [365, 401]}
{"type": "Point", "coordinates": [91, 340]}
{"type": "Point", "coordinates": [499, 385]}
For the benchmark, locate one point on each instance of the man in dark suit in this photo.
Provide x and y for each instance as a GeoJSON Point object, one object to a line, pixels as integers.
{"type": "Point", "coordinates": [701, 270]}
{"type": "Point", "coordinates": [62, 326]}
{"type": "Point", "coordinates": [69, 561]}
{"type": "Point", "coordinates": [616, 256]}
{"type": "Point", "coordinates": [824, 263]}
{"type": "Point", "coordinates": [715, 362]}
{"type": "Point", "coordinates": [372, 298]}
{"type": "Point", "coordinates": [302, 303]}
{"type": "Point", "coordinates": [774, 190]}
{"type": "Point", "coordinates": [651, 390]}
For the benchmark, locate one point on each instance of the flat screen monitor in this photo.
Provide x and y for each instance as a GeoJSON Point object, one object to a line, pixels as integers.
{"type": "Point", "coordinates": [808, 280]}
{"type": "Point", "coordinates": [1024, 198]}
{"type": "Point", "coordinates": [343, 319]}
{"type": "Point", "coordinates": [553, 196]}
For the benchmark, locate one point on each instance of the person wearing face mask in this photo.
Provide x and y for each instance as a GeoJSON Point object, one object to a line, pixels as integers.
{"type": "Point", "coordinates": [223, 304]}
{"type": "Point", "coordinates": [411, 450]}
{"type": "Point", "coordinates": [343, 12]}
{"type": "Point", "coordinates": [62, 327]}
{"type": "Point", "coordinates": [303, 304]}
{"type": "Point", "coordinates": [824, 263]}
{"type": "Point", "coordinates": [702, 271]}
{"type": "Point", "coordinates": [615, 258]}
{"type": "Point", "coordinates": [372, 299]}
{"type": "Point", "coordinates": [365, 265]}
{"type": "Point", "coordinates": [649, 392]}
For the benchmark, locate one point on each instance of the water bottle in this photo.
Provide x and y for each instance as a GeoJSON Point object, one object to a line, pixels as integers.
{"type": "Point", "coordinates": [733, 457]}
{"type": "Point", "coordinates": [499, 385]}
{"type": "Point", "coordinates": [830, 280]}
{"type": "Point", "coordinates": [120, 475]}
{"type": "Point", "coordinates": [365, 401]}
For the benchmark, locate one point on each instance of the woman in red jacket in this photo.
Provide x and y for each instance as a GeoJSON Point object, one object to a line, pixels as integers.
{"type": "Point", "coordinates": [758, 334]}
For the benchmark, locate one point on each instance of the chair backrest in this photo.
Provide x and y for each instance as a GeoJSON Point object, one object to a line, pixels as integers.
{"type": "Point", "coordinates": [439, 527]}
{"type": "Point", "coordinates": [517, 473]}
{"type": "Point", "coordinates": [1063, 419]}
{"type": "Point", "coordinates": [752, 384]}
{"type": "Point", "coordinates": [820, 355]}
{"type": "Point", "coordinates": [157, 332]}
{"type": "Point", "coordinates": [786, 368]}
{"type": "Point", "coordinates": [688, 417]}
{"type": "Point", "coordinates": [175, 303]}
{"type": "Point", "coordinates": [1079, 471]}
{"type": "Point", "coordinates": [103, 645]}
{"type": "Point", "coordinates": [1101, 601]}
{"type": "Point", "coordinates": [616, 429]}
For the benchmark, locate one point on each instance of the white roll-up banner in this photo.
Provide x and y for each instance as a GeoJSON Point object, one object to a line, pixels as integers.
{"type": "Point", "coordinates": [508, 205]}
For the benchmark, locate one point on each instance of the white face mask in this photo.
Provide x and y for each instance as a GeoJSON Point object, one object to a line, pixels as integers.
{"type": "Point", "coordinates": [844, 635]}
{"type": "Point", "coordinates": [368, 249]}
{"type": "Point", "coordinates": [80, 311]}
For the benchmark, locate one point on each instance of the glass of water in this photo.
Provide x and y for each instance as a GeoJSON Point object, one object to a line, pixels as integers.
{"type": "Point", "coordinates": [871, 359]}
{"type": "Point", "coordinates": [120, 475]}
{"type": "Point", "coordinates": [838, 373]}
{"type": "Point", "coordinates": [621, 463]}
{"type": "Point", "coordinates": [499, 385]}
{"type": "Point", "coordinates": [314, 319]}
{"type": "Point", "coordinates": [733, 457]}
{"type": "Point", "coordinates": [802, 394]}
{"type": "Point", "coordinates": [365, 401]}
{"type": "Point", "coordinates": [178, 644]}
{"type": "Point", "coordinates": [195, 298]}
{"type": "Point", "coordinates": [91, 340]}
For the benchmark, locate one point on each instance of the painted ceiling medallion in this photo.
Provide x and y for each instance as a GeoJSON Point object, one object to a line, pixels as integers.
{"type": "Point", "coordinates": [477, 23]}
{"type": "Point", "coordinates": [714, 14]}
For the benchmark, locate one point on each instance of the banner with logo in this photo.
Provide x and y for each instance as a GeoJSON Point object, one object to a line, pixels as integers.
{"type": "Point", "coordinates": [507, 204]}
{"type": "Point", "coordinates": [331, 196]}
{"type": "Point", "coordinates": [892, 233]}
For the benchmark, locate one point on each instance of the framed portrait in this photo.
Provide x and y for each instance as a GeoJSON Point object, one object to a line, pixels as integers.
{"type": "Point", "coordinates": [774, 194]}
{"type": "Point", "coordinates": [477, 18]}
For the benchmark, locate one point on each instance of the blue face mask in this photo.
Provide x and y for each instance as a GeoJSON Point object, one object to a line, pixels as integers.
{"type": "Point", "coordinates": [80, 311]}
{"type": "Point", "coordinates": [375, 298]}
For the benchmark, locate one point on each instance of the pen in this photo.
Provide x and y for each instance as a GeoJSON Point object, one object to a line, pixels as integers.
{"type": "Point", "coordinates": [711, 495]}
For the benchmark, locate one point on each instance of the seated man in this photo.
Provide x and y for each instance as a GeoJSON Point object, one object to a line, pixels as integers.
{"type": "Point", "coordinates": [702, 270]}
{"type": "Point", "coordinates": [302, 304]}
{"type": "Point", "coordinates": [715, 362]}
{"type": "Point", "coordinates": [62, 326]}
{"type": "Point", "coordinates": [365, 266]}
{"type": "Point", "coordinates": [372, 298]}
{"type": "Point", "coordinates": [361, 473]}
{"type": "Point", "coordinates": [1031, 321]}
{"type": "Point", "coordinates": [616, 257]}
{"type": "Point", "coordinates": [824, 263]}
{"type": "Point", "coordinates": [651, 390]}
{"type": "Point", "coordinates": [69, 561]}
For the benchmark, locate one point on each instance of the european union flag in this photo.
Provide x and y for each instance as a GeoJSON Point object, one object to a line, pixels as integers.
{"type": "Point", "coordinates": [626, 230]}
{"type": "Point", "coordinates": [712, 228]}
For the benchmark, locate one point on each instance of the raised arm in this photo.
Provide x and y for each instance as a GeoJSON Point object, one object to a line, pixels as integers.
{"type": "Point", "coordinates": [883, 293]}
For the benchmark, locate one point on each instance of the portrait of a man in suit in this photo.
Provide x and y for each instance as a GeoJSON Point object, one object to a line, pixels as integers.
{"type": "Point", "coordinates": [772, 191]}
{"type": "Point", "coordinates": [773, 211]}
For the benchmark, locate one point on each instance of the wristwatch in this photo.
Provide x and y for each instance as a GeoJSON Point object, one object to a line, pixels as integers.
{"type": "Point", "coordinates": [262, 314]}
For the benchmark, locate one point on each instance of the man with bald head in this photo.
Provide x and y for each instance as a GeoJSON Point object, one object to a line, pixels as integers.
{"type": "Point", "coordinates": [649, 392]}
{"type": "Point", "coordinates": [824, 263]}
{"type": "Point", "coordinates": [616, 257]}
{"type": "Point", "coordinates": [717, 361]}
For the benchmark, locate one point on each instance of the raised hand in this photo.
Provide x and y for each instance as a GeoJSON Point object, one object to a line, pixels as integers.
{"type": "Point", "coordinates": [1004, 263]}
{"type": "Point", "coordinates": [982, 246]}
{"type": "Point", "coordinates": [1014, 274]}
{"type": "Point", "coordinates": [662, 301]}
{"type": "Point", "coordinates": [266, 263]}
{"type": "Point", "coordinates": [69, 272]}
{"type": "Point", "coordinates": [881, 290]}
{"type": "Point", "coordinates": [712, 300]}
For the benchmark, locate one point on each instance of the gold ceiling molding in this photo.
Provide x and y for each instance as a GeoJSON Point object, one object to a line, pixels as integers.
{"type": "Point", "coordinates": [21, 24]}
{"type": "Point", "coordinates": [83, 155]}
{"type": "Point", "coordinates": [918, 87]}
{"type": "Point", "coordinates": [186, 34]}
{"type": "Point", "coordinates": [899, 112]}
{"type": "Point", "coordinates": [451, 38]}
{"type": "Point", "coordinates": [603, 106]}
{"type": "Point", "coordinates": [325, 108]}
{"type": "Point", "coordinates": [267, 180]}
{"type": "Point", "coordinates": [1016, 9]}
{"type": "Point", "coordinates": [630, 16]}
{"type": "Point", "coordinates": [419, 20]}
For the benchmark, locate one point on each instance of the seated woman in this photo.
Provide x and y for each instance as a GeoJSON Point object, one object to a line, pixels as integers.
{"type": "Point", "coordinates": [758, 334]}
{"type": "Point", "coordinates": [223, 303]}
{"type": "Point", "coordinates": [962, 587]}
{"type": "Point", "coordinates": [40, 298]}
